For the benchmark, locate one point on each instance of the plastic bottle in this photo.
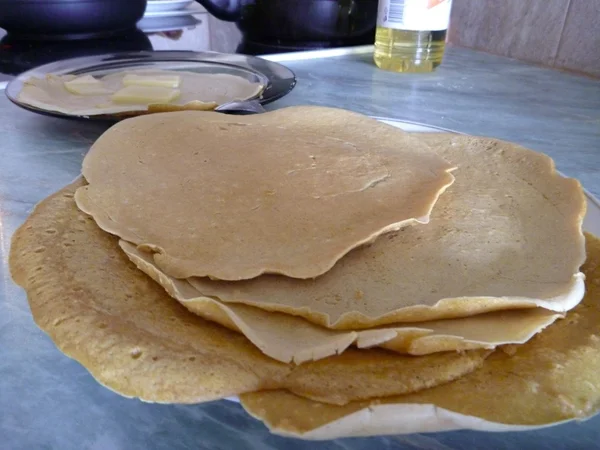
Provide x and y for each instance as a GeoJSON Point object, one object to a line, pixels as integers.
{"type": "Point", "coordinates": [411, 34]}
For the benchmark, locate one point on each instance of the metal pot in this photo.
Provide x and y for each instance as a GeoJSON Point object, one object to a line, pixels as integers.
{"type": "Point", "coordinates": [69, 18]}
{"type": "Point", "coordinates": [293, 21]}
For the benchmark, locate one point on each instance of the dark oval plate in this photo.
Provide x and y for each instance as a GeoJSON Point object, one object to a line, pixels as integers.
{"type": "Point", "coordinates": [278, 79]}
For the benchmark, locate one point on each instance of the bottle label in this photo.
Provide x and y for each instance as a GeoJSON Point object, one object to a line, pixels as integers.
{"type": "Point", "coordinates": [417, 15]}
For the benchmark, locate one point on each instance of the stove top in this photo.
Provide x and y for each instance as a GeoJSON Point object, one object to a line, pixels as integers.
{"type": "Point", "coordinates": [183, 30]}
{"type": "Point", "coordinates": [191, 28]}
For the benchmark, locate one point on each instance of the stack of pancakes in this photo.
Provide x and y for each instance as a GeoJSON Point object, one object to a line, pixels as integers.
{"type": "Point", "coordinates": [341, 276]}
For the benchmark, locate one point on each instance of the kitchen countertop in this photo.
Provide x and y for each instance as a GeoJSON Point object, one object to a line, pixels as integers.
{"type": "Point", "coordinates": [49, 401]}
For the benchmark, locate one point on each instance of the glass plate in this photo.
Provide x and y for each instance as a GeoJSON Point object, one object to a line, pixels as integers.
{"type": "Point", "coordinates": [278, 79]}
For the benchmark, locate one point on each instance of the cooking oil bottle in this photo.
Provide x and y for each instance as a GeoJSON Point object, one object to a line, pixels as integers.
{"type": "Point", "coordinates": [411, 34]}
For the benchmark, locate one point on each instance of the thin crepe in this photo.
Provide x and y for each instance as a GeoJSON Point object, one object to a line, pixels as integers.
{"type": "Point", "coordinates": [287, 192]}
{"type": "Point", "coordinates": [289, 338]}
{"type": "Point", "coordinates": [553, 378]}
{"type": "Point", "coordinates": [487, 247]}
{"type": "Point", "coordinates": [199, 91]}
{"type": "Point", "coordinates": [136, 340]}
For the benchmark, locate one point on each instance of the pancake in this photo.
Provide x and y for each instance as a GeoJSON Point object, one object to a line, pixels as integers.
{"type": "Point", "coordinates": [100, 310]}
{"type": "Point", "coordinates": [287, 192]}
{"type": "Point", "coordinates": [485, 248]}
{"type": "Point", "coordinates": [289, 338]}
{"type": "Point", "coordinates": [199, 91]}
{"type": "Point", "coordinates": [551, 379]}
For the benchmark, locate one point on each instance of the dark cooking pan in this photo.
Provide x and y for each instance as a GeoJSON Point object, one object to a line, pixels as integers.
{"type": "Point", "coordinates": [70, 18]}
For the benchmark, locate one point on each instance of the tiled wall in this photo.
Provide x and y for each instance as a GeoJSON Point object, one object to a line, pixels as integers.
{"type": "Point", "coordinates": [558, 33]}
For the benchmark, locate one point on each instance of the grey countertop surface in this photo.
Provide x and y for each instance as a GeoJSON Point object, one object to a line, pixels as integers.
{"type": "Point", "coordinates": [48, 401]}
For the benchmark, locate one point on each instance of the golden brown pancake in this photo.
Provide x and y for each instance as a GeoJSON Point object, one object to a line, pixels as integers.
{"type": "Point", "coordinates": [199, 91]}
{"type": "Point", "coordinates": [133, 338]}
{"type": "Point", "coordinates": [290, 338]}
{"type": "Point", "coordinates": [289, 191]}
{"type": "Point", "coordinates": [486, 247]}
{"type": "Point", "coordinates": [555, 377]}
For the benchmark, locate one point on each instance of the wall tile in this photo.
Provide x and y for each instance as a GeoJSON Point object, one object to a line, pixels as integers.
{"type": "Point", "coordinates": [579, 47]}
{"type": "Point", "coordinates": [528, 30]}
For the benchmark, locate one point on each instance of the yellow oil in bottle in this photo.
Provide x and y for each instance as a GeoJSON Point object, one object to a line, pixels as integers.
{"type": "Point", "coordinates": [408, 50]}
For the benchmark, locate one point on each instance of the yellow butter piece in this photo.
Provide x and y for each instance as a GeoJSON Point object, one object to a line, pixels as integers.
{"type": "Point", "coordinates": [145, 95]}
{"type": "Point", "coordinates": [86, 85]}
{"type": "Point", "coordinates": [168, 81]}
{"type": "Point", "coordinates": [84, 79]}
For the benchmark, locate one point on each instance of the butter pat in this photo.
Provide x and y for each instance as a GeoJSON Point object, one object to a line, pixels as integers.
{"type": "Point", "coordinates": [86, 85]}
{"type": "Point", "coordinates": [145, 95]}
{"type": "Point", "coordinates": [167, 81]}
